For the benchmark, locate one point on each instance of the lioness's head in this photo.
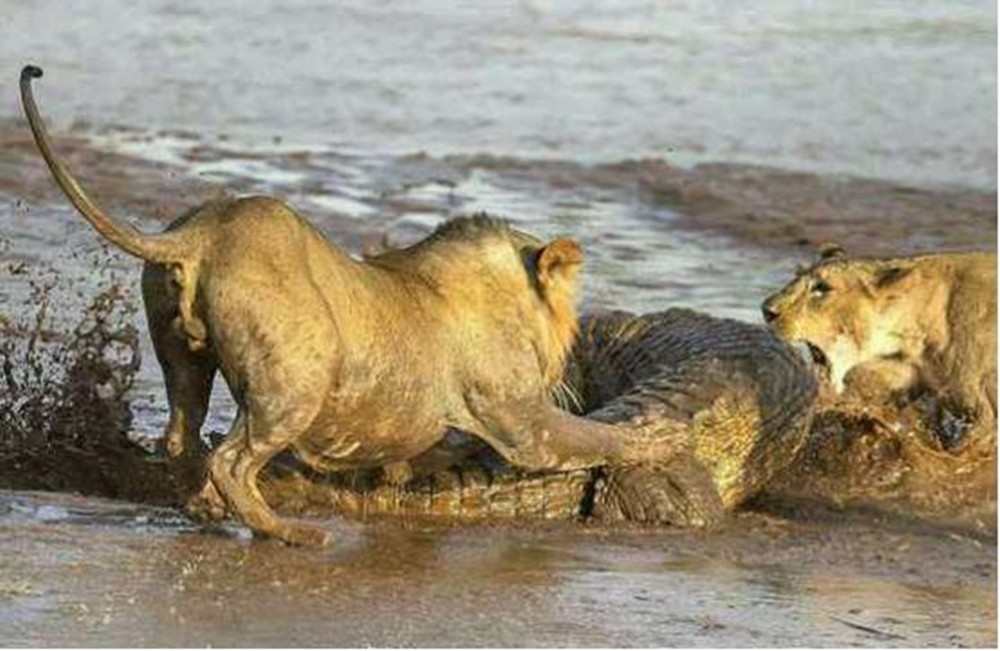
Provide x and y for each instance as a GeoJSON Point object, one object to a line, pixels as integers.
{"type": "Point", "coordinates": [525, 287]}
{"type": "Point", "coordinates": [847, 311]}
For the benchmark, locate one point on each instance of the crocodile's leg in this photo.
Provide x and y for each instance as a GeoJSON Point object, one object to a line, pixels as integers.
{"type": "Point", "coordinates": [679, 492]}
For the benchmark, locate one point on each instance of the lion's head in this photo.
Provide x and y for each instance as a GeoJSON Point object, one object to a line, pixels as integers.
{"type": "Point", "coordinates": [847, 311]}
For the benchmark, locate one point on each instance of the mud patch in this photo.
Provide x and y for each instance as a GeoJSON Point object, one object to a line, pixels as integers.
{"type": "Point", "coordinates": [64, 415]}
{"type": "Point", "coordinates": [784, 209]}
{"type": "Point", "coordinates": [83, 571]}
{"type": "Point", "coordinates": [892, 459]}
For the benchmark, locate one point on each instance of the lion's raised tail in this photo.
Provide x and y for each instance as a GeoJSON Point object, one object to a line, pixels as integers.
{"type": "Point", "coordinates": [163, 248]}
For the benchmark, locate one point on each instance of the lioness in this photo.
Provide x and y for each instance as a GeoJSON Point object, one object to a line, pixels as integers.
{"type": "Point", "coordinates": [927, 320]}
{"type": "Point", "coordinates": [350, 363]}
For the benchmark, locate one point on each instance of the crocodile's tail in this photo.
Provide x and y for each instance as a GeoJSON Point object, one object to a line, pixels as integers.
{"type": "Point", "coordinates": [472, 495]}
{"type": "Point", "coordinates": [165, 248]}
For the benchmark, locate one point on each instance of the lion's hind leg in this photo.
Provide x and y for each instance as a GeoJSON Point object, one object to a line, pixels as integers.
{"type": "Point", "coordinates": [232, 475]}
{"type": "Point", "coordinates": [189, 377]}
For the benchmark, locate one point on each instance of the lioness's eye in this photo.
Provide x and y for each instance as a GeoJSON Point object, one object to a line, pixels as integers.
{"type": "Point", "coordinates": [820, 288]}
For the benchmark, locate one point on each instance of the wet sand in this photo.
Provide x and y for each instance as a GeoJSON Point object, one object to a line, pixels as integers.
{"type": "Point", "coordinates": [783, 209]}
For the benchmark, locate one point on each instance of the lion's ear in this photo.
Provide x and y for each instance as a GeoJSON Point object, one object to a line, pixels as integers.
{"type": "Point", "coordinates": [560, 259]}
{"type": "Point", "coordinates": [831, 251]}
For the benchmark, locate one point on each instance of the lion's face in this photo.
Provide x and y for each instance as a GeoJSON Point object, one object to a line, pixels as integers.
{"type": "Point", "coordinates": [844, 310]}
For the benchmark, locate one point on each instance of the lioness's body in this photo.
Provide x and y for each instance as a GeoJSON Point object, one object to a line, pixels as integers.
{"type": "Point", "coordinates": [360, 351]}
{"type": "Point", "coordinates": [927, 319]}
{"type": "Point", "coordinates": [351, 364]}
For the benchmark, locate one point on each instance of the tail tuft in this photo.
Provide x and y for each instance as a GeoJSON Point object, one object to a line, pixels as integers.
{"type": "Point", "coordinates": [160, 249]}
{"type": "Point", "coordinates": [30, 72]}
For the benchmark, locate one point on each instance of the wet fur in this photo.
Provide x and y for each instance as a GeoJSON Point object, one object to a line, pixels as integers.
{"type": "Point", "coordinates": [350, 364]}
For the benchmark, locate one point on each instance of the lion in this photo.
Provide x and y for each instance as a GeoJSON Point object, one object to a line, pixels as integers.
{"type": "Point", "coordinates": [925, 321]}
{"type": "Point", "coordinates": [350, 364]}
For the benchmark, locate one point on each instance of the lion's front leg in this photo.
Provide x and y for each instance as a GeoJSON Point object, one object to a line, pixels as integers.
{"type": "Point", "coordinates": [231, 482]}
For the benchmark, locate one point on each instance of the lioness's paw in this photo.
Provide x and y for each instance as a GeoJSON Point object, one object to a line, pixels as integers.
{"type": "Point", "coordinates": [303, 535]}
{"type": "Point", "coordinates": [207, 505]}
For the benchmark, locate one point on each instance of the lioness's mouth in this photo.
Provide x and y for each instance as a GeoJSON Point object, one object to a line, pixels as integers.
{"type": "Point", "coordinates": [819, 359]}
{"type": "Point", "coordinates": [818, 356]}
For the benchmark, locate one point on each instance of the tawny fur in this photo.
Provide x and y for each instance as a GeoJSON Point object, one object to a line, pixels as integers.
{"type": "Point", "coordinates": [928, 319]}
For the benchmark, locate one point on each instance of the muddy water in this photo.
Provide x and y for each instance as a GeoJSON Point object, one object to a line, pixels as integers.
{"type": "Point", "coordinates": [90, 572]}
{"type": "Point", "coordinates": [526, 111]}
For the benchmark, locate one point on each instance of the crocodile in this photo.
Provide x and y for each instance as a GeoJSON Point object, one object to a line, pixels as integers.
{"type": "Point", "coordinates": [741, 398]}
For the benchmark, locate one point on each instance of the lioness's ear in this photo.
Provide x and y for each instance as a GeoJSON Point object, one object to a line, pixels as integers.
{"type": "Point", "coordinates": [831, 251]}
{"type": "Point", "coordinates": [559, 259]}
{"type": "Point", "coordinates": [890, 275]}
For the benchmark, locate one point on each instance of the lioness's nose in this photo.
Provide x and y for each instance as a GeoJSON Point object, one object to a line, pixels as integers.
{"type": "Point", "coordinates": [769, 310]}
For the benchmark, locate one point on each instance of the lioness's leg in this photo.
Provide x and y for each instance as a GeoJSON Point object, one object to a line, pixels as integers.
{"type": "Point", "coordinates": [188, 374]}
{"type": "Point", "coordinates": [233, 469]}
{"type": "Point", "coordinates": [983, 398]}
{"type": "Point", "coordinates": [539, 436]}
{"type": "Point", "coordinates": [981, 439]}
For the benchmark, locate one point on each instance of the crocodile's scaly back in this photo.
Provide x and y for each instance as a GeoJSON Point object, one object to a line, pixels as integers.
{"type": "Point", "coordinates": [741, 396]}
